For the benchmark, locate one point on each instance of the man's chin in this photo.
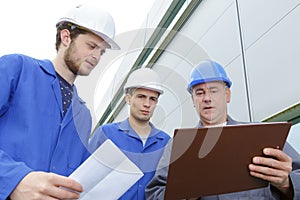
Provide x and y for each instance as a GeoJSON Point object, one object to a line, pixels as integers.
{"type": "Point", "coordinates": [145, 118]}
{"type": "Point", "coordinates": [208, 118]}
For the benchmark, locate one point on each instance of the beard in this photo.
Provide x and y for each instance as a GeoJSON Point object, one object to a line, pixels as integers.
{"type": "Point", "coordinates": [70, 61]}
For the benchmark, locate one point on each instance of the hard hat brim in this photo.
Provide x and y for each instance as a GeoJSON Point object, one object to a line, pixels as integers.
{"type": "Point", "coordinates": [113, 45]}
{"type": "Point", "coordinates": [207, 80]}
{"type": "Point", "coordinates": [145, 87]}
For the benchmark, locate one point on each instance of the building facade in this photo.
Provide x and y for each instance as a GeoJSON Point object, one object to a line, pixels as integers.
{"type": "Point", "coordinates": [257, 41]}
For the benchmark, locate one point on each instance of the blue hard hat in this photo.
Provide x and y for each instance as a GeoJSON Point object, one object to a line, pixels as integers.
{"type": "Point", "coordinates": [208, 71]}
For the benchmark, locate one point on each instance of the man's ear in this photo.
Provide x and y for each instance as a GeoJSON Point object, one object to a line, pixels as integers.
{"type": "Point", "coordinates": [228, 95]}
{"type": "Point", "coordinates": [192, 96]}
{"type": "Point", "coordinates": [65, 37]}
{"type": "Point", "coordinates": [128, 98]}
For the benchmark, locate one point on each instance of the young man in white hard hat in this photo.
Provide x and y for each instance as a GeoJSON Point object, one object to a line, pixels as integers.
{"type": "Point", "coordinates": [44, 125]}
{"type": "Point", "coordinates": [136, 136]}
{"type": "Point", "coordinates": [210, 91]}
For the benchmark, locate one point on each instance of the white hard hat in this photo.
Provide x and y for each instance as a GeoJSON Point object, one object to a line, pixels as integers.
{"type": "Point", "coordinates": [94, 19]}
{"type": "Point", "coordinates": [144, 78]}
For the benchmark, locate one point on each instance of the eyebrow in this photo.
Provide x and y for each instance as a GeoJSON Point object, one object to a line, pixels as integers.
{"type": "Point", "coordinates": [212, 87]}
{"type": "Point", "coordinates": [99, 46]}
{"type": "Point", "coordinates": [150, 96]}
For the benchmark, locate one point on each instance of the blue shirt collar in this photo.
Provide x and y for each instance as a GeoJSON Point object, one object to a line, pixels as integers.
{"type": "Point", "coordinates": [48, 67]}
{"type": "Point", "coordinates": [125, 126]}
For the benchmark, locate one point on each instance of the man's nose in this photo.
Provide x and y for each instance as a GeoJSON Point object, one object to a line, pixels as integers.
{"type": "Point", "coordinates": [97, 53]}
{"type": "Point", "coordinates": [207, 96]}
{"type": "Point", "coordinates": [147, 103]}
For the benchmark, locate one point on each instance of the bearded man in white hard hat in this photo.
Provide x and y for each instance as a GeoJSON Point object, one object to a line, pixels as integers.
{"type": "Point", "coordinates": [136, 136]}
{"type": "Point", "coordinates": [44, 125]}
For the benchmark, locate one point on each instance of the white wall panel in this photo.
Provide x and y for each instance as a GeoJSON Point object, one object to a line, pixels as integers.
{"type": "Point", "coordinates": [222, 41]}
{"type": "Point", "coordinates": [213, 26]}
{"type": "Point", "coordinates": [259, 16]}
{"type": "Point", "coordinates": [273, 64]}
{"type": "Point", "coordinates": [204, 18]}
{"type": "Point", "coordinates": [238, 106]}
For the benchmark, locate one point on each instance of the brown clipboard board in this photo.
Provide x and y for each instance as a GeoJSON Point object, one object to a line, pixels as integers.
{"type": "Point", "coordinates": [211, 161]}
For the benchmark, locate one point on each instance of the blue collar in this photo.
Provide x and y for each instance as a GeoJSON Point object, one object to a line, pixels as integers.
{"type": "Point", "coordinates": [125, 126]}
{"type": "Point", "coordinates": [48, 67]}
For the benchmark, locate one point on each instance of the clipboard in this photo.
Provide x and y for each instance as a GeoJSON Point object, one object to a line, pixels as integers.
{"type": "Point", "coordinates": [212, 161]}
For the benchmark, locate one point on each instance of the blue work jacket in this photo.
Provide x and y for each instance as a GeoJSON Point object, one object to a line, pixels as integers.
{"type": "Point", "coordinates": [34, 133]}
{"type": "Point", "coordinates": [146, 157]}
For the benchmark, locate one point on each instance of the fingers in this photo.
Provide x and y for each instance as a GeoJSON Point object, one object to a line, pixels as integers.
{"type": "Point", "coordinates": [66, 182]}
{"type": "Point", "coordinates": [275, 159]}
{"type": "Point", "coordinates": [63, 187]}
{"type": "Point", "coordinates": [265, 172]}
{"type": "Point", "coordinates": [275, 167]}
{"type": "Point", "coordinates": [61, 193]}
{"type": "Point", "coordinates": [48, 186]}
{"type": "Point", "coordinates": [278, 154]}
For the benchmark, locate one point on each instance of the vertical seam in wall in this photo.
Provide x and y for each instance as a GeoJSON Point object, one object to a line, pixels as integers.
{"type": "Point", "coordinates": [244, 63]}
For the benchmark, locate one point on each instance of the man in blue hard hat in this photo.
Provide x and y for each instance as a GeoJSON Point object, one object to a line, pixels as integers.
{"type": "Point", "coordinates": [209, 87]}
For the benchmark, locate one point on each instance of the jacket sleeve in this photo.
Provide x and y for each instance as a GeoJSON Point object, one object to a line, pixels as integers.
{"type": "Point", "coordinates": [9, 76]}
{"type": "Point", "coordinates": [97, 139]}
{"type": "Point", "coordinates": [294, 175]}
{"type": "Point", "coordinates": [11, 172]}
{"type": "Point", "coordinates": [155, 190]}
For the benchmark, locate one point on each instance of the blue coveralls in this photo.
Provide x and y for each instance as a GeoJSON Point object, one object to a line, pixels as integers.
{"type": "Point", "coordinates": [34, 134]}
{"type": "Point", "coordinates": [146, 157]}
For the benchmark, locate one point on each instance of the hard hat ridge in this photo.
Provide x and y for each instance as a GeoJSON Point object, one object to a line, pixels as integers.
{"type": "Point", "coordinates": [208, 71]}
{"type": "Point", "coordinates": [94, 19]}
{"type": "Point", "coordinates": [144, 78]}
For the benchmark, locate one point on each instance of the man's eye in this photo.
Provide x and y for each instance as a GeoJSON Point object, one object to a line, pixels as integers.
{"type": "Point", "coordinates": [199, 93]}
{"type": "Point", "coordinates": [91, 46]}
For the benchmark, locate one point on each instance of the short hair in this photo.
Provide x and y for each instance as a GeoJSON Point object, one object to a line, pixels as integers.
{"type": "Point", "coordinates": [74, 29]}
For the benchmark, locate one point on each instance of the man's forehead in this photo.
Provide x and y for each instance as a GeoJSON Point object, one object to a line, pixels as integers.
{"type": "Point", "coordinates": [145, 91]}
{"type": "Point", "coordinates": [209, 85]}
